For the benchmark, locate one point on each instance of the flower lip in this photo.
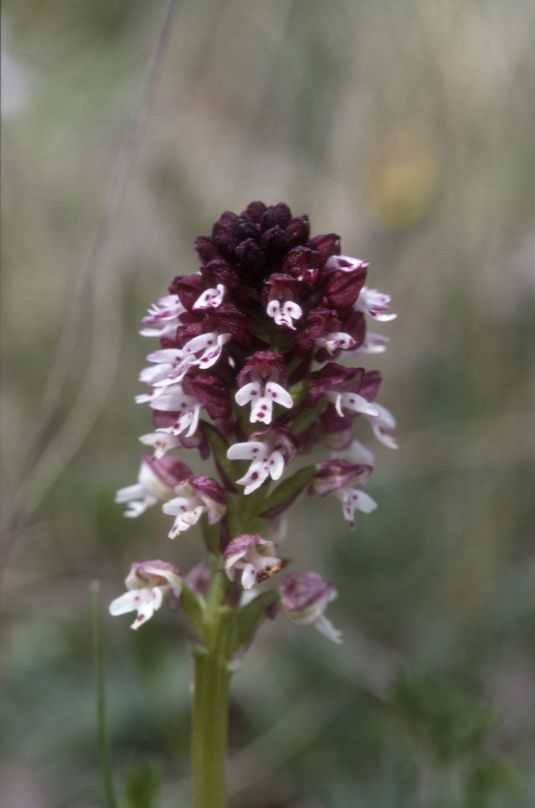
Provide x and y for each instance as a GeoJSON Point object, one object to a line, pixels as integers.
{"type": "Point", "coordinates": [149, 584]}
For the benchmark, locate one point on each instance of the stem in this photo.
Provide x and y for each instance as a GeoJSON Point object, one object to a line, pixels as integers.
{"type": "Point", "coordinates": [103, 739]}
{"type": "Point", "coordinates": [210, 704]}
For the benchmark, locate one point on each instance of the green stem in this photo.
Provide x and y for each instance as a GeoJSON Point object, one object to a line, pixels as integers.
{"type": "Point", "coordinates": [210, 704]}
{"type": "Point", "coordinates": [103, 740]}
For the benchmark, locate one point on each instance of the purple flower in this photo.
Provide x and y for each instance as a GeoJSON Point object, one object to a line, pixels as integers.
{"type": "Point", "coordinates": [253, 368]}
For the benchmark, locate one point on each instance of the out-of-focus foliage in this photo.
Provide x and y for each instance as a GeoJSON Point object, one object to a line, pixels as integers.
{"type": "Point", "coordinates": [408, 128]}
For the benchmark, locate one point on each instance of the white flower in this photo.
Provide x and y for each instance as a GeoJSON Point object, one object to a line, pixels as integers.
{"type": "Point", "coordinates": [335, 341]}
{"type": "Point", "coordinates": [252, 558]}
{"type": "Point", "coordinates": [174, 399]}
{"type": "Point", "coordinates": [149, 583]}
{"type": "Point", "coordinates": [196, 495]}
{"type": "Point", "coordinates": [354, 499]}
{"type": "Point", "coordinates": [163, 317]}
{"type": "Point", "coordinates": [267, 462]}
{"type": "Point", "coordinates": [172, 364]}
{"type": "Point", "coordinates": [350, 401]}
{"type": "Point", "coordinates": [374, 303]}
{"type": "Point", "coordinates": [211, 298]}
{"type": "Point", "coordinates": [157, 479]}
{"type": "Point", "coordinates": [382, 423]}
{"type": "Point", "coordinates": [284, 314]}
{"type": "Point", "coordinates": [263, 396]}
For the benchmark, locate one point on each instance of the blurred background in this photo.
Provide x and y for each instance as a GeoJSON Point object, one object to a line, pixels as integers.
{"type": "Point", "coordinates": [408, 128]}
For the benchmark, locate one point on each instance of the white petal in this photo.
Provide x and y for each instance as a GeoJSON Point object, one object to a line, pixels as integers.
{"type": "Point", "coordinates": [373, 343]}
{"type": "Point", "coordinates": [276, 465]}
{"type": "Point", "coordinates": [230, 562]}
{"type": "Point", "coordinates": [124, 603]}
{"type": "Point", "coordinates": [179, 505]}
{"type": "Point", "coordinates": [325, 627]}
{"type": "Point", "coordinates": [248, 576]}
{"type": "Point", "coordinates": [361, 501]}
{"type": "Point", "coordinates": [278, 394]}
{"type": "Point", "coordinates": [356, 403]}
{"type": "Point", "coordinates": [273, 308]}
{"type": "Point", "coordinates": [292, 310]}
{"type": "Point", "coordinates": [210, 298]}
{"type": "Point", "coordinates": [384, 437]}
{"type": "Point", "coordinates": [200, 343]}
{"type": "Point", "coordinates": [129, 492]}
{"type": "Point", "coordinates": [161, 442]}
{"type": "Point", "coordinates": [262, 410]}
{"type": "Point", "coordinates": [251, 450]}
{"type": "Point", "coordinates": [248, 393]}
{"type": "Point", "coordinates": [167, 355]}
{"type": "Point", "coordinates": [258, 472]}
{"type": "Point", "coordinates": [358, 453]}
{"type": "Point", "coordinates": [154, 373]}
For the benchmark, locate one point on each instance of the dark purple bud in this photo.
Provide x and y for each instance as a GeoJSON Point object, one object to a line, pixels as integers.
{"type": "Point", "coordinates": [250, 257]}
{"type": "Point", "coordinates": [254, 211]}
{"type": "Point", "coordinates": [298, 231]}
{"type": "Point", "coordinates": [226, 234]}
{"type": "Point", "coordinates": [219, 271]}
{"type": "Point", "coordinates": [274, 241]}
{"type": "Point", "coordinates": [276, 216]}
{"type": "Point", "coordinates": [326, 246]}
{"type": "Point", "coordinates": [206, 249]}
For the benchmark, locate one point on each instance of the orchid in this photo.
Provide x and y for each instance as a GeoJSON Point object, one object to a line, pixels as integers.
{"type": "Point", "coordinates": [254, 371]}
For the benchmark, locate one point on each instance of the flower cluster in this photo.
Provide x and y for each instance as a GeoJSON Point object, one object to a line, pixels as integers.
{"type": "Point", "coordinates": [253, 371]}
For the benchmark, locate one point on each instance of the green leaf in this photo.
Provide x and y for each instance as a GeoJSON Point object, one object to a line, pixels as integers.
{"type": "Point", "coordinates": [287, 491]}
{"type": "Point", "coordinates": [246, 620]}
